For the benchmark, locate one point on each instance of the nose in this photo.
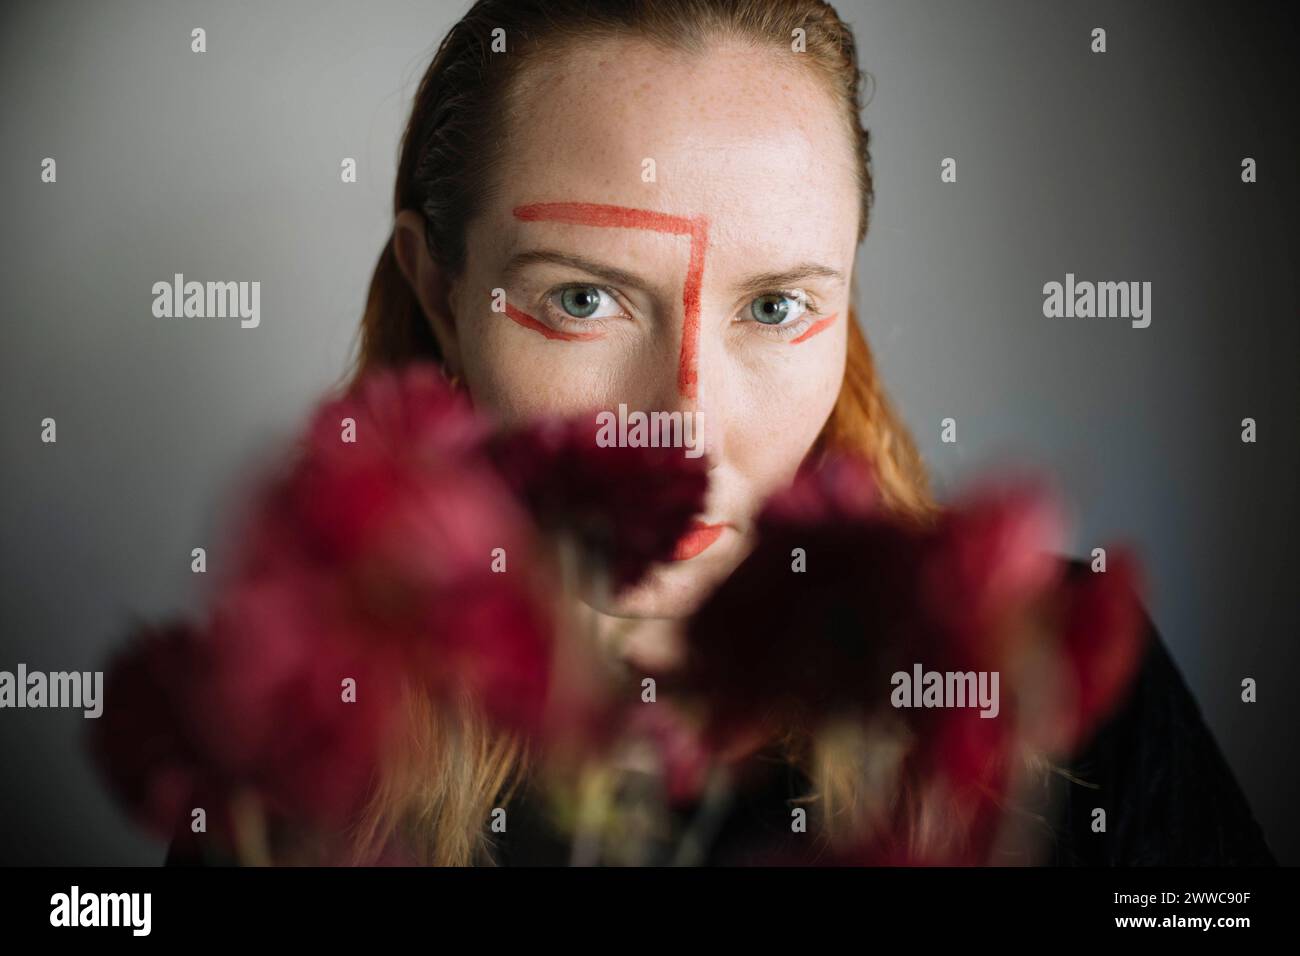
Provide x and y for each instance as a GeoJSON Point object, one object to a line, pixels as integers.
{"type": "Point", "coordinates": [700, 406]}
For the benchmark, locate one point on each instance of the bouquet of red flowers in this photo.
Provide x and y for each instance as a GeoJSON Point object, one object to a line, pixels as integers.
{"type": "Point", "coordinates": [405, 546]}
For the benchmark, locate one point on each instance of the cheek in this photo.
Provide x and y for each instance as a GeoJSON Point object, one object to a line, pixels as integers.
{"type": "Point", "coordinates": [785, 405]}
{"type": "Point", "coordinates": [519, 375]}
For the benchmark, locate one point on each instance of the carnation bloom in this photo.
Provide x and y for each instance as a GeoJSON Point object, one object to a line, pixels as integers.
{"type": "Point", "coordinates": [624, 507]}
{"type": "Point", "coordinates": [840, 595]}
{"type": "Point", "coordinates": [398, 548]}
{"type": "Point", "coordinates": [386, 553]}
{"type": "Point", "coordinates": [149, 742]}
{"type": "Point", "coordinates": [403, 544]}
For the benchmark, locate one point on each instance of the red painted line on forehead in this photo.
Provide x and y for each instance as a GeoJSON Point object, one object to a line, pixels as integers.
{"type": "Point", "coordinates": [821, 325]}
{"type": "Point", "coordinates": [624, 217]}
{"type": "Point", "coordinates": [528, 322]}
{"type": "Point", "coordinates": [600, 214]}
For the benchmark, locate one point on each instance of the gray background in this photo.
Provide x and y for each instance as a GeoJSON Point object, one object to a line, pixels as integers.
{"type": "Point", "coordinates": [1123, 166]}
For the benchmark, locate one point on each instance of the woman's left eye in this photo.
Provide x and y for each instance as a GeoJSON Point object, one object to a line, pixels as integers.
{"type": "Point", "coordinates": [780, 311]}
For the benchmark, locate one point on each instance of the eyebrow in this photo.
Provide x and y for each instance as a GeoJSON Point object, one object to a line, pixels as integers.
{"type": "Point", "coordinates": [767, 281]}
{"type": "Point", "coordinates": [759, 282]}
{"type": "Point", "coordinates": [522, 260]}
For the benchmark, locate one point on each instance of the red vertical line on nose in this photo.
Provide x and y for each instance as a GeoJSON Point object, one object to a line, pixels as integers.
{"type": "Point", "coordinates": [624, 217]}
{"type": "Point", "coordinates": [688, 378]}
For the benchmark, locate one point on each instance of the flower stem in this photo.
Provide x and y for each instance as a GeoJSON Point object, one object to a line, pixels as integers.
{"type": "Point", "coordinates": [251, 844]}
{"type": "Point", "coordinates": [708, 819]}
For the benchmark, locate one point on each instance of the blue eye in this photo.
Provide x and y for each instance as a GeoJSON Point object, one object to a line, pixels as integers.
{"type": "Point", "coordinates": [778, 308]}
{"type": "Point", "coordinates": [770, 309]}
{"type": "Point", "coordinates": [581, 302]}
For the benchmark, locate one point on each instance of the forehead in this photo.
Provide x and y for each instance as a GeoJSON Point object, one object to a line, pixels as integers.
{"type": "Point", "coordinates": [747, 137]}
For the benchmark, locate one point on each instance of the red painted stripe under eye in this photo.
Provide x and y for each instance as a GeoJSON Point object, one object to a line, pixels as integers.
{"type": "Point", "coordinates": [541, 328]}
{"type": "Point", "coordinates": [821, 325]}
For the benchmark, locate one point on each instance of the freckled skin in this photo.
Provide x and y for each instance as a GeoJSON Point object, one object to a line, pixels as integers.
{"type": "Point", "coordinates": [746, 141]}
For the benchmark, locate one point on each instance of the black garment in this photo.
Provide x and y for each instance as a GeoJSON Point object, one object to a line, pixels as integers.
{"type": "Point", "coordinates": [1170, 797]}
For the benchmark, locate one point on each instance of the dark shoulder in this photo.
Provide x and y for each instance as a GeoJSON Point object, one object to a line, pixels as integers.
{"type": "Point", "coordinates": [191, 849]}
{"type": "Point", "coordinates": [1169, 795]}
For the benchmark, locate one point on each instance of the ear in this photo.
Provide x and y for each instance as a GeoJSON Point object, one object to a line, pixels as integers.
{"type": "Point", "coordinates": [430, 283]}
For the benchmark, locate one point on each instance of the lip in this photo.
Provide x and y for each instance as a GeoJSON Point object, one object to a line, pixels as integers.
{"type": "Point", "coordinates": [698, 537]}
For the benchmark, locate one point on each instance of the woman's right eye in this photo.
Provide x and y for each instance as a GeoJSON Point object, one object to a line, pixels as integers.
{"type": "Point", "coordinates": [585, 302]}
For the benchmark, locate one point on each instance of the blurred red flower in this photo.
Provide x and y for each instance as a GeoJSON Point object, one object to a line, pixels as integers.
{"type": "Point", "coordinates": [840, 594]}
{"type": "Point", "coordinates": [624, 507]}
{"type": "Point", "coordinates": [405, 545]}
{"type": "Point", "coordinates": [386, 552]}
{"type": "Point", "coordinates": [149, 741]}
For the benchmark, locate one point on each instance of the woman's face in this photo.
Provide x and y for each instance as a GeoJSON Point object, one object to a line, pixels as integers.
{"type": "Point", "coordinates": [671, 233]}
